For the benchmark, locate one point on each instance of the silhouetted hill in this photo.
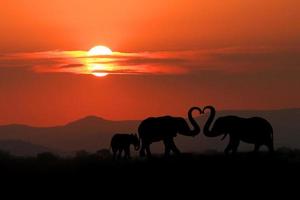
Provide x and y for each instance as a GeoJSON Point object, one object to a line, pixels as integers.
{"type": "Point", "coordinates": [92, 133]}
{"type": "Point", "coordinates": [89, 133]}
{"type": "Point", "coordinates": [21, 148]}
{"type": "Point", "coordinates": [92, 121]}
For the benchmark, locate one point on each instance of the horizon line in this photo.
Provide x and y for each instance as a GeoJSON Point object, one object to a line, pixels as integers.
{"type": "Point", "coordinates": [124, 120]}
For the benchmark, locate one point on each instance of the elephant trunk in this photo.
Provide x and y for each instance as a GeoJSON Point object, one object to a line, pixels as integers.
{"type": "Point", "coordinates": [206, 131]}
{"type": "Point", "coordinates": [196, 128]}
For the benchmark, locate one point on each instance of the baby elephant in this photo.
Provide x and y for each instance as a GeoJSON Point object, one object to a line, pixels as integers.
{"type": "Point", "coordinates": [122, 142]}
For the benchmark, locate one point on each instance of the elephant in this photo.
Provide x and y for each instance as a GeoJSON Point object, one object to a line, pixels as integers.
{"type": "Point", "coordinates": [122, 142]}
{"type": "Point", "coordinates": [255, 130]}
{"type": "Point", "coordinates": [165, 128]}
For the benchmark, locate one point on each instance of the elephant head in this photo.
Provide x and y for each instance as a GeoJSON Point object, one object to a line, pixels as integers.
{"type": "Point", "coordinates": [182, 126]}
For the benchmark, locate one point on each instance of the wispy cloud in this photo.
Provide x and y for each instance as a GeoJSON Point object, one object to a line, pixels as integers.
{"type": "Point", "coordinates": [166, 62]}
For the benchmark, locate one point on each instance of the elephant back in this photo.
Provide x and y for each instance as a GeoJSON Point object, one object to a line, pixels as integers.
{"type": "Point", "coordinates": [157, 128]}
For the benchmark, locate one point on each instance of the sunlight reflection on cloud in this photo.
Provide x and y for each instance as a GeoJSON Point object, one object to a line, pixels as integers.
{"type": "Point", "coordinates": [154, 63]}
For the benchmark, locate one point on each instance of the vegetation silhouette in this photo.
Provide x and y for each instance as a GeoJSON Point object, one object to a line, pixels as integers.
{"type": "Point", "coordinates": [47, 156]}
{"type": "Point", "coordinates": [103, 153]}
{"type": "Point", "coordinates": [193, 165]}
{"type": "Point", "coordinates": [122, 142]}
{"type": "Point", "coordinates": [255, 130]}
{"type": "Point", "coordinates": [89, 172]}
{"type": "Point", "coordinates": [81, 154]}
{"type": "Point", "coordinates": [165, 128]}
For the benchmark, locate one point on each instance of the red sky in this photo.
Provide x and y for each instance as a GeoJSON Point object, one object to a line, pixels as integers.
{"type": "Point", "coordinates": [175, 54]}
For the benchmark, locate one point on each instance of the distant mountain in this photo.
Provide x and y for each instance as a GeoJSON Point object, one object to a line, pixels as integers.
{"type": "Point", "coordinates": [21, 148]}
{"type": "Point", "coordinates": [92, 133]}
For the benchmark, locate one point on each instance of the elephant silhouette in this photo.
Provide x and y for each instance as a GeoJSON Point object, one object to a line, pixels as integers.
{"type": "Point", "coordinates": [255, 130]}
{"type": "Point", "coordinates": [165, 128]}
{"type": "Point", "coordinates": [122, 142]}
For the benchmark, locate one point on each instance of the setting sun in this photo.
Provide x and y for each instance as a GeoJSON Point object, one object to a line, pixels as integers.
{"type": "Point", "coordinates": [93, 66]}
{"type": "Point", "coordinates": [99, 50]}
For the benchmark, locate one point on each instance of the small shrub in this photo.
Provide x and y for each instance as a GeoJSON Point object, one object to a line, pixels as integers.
{"type": "Point", "coordinates": [47, 156]}
{"type": "Point", "coordinates": [103, 153]}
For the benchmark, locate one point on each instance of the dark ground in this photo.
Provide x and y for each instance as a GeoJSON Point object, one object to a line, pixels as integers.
{"type": "Point", "coordinates": [195, 173]}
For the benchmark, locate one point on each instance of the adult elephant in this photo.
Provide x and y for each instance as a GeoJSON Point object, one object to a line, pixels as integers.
{"type": "Point", "coordinates": [165, 128]}
{"type": "Point", "coordinates": [255, 130]}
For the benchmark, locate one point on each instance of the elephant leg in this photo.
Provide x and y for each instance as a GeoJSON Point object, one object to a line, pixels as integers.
{"type": "Point", "coordinates": [114, 154]}
{"type": "Point", "coordinates": [145, 147]}
{"type": "Point", "coordinates": [235, 145]}
{"type": "Point", "coordinates": [127, 152]}
{"type": "Point", "coordinates": [120, 153]}
{"type": "Point", "coordinates": [256, 148]}
{"type": "Point", "coordinates": [173, 147]}
{"type": "Point", "coordinates": [232, 146]}
{"type": "Point", "coordinates": [142, 151]}
{"type": "Point", "coordinates": [228, 148]}
{"type": "Point", "coordinates": [167, 147]}
{"type": "Point", "coordinates": [148, 151]}
{"type": "Point", "coordinates": [270, 146]}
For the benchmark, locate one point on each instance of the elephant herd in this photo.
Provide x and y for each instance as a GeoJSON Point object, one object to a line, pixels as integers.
{"type": "Point", "coordinates": [255, 130]}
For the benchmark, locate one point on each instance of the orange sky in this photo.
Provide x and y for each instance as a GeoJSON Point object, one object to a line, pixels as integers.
{"type": "Point", "coordinates": [233, 54]}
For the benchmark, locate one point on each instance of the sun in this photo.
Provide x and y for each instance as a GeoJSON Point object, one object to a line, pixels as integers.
{"type": "Point", "coordinates": [93, 66]}
{"type": "Point", "coordinates": [99, 50]}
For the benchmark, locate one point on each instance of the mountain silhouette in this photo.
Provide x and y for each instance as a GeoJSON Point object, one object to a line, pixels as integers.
{"type": "Point", "coordinates": [92, 133]}
{"type": "Point", "coordinates": [21, 148]}
{"type": "Point", "coordinates": [91, 120]}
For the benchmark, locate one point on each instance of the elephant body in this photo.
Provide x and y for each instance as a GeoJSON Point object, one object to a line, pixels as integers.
{"type": "Point", "coordinates": [165, 128]}
{"type": "Point", "coordinates": [122, 142]}
{"type": "Point", "coordinates": [158, 128]}
{"type": "Point", "coordinates": [255, 130]}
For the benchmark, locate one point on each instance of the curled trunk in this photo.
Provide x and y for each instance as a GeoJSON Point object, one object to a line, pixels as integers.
{"type": "Point", "coordinates": [196, 128]}
{"type": "Point", "coordinates": [207, 132]}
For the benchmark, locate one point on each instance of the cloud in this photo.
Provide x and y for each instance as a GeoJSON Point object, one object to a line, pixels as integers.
{"type": "Point", "coordinates": [258, 59]}
{"type": "Point", "coordinates": [71, 65]}
{"type": "Point", "coordinates": [166, 62]}
{"type": "Point", "coordinates": [133, 61]}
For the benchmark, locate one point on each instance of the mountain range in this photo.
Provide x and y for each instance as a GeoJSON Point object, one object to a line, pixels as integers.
{"type": "Point", "coordinates": [93, 133]}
